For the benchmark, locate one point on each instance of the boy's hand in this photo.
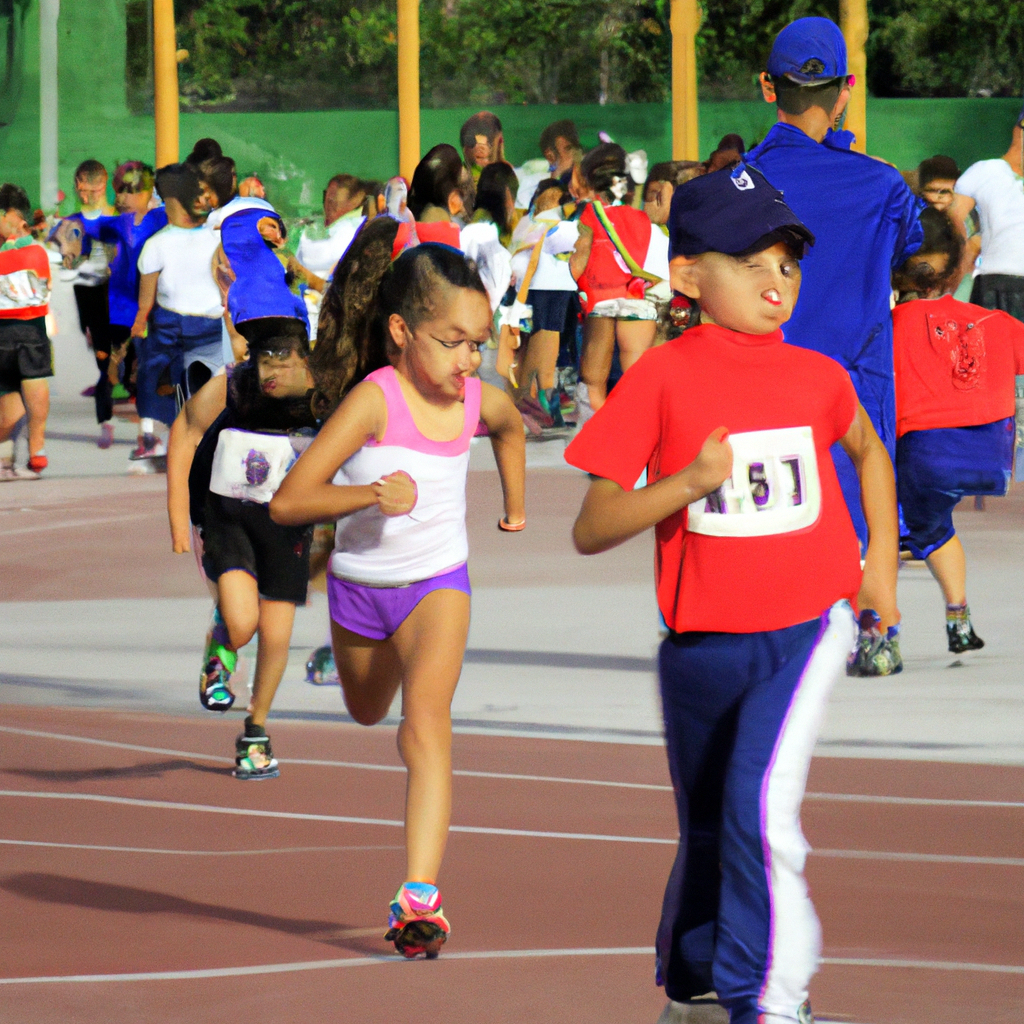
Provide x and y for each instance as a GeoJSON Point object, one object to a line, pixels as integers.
{"type": "Point", "coordinates": [713, 466]}
{"type": "Point", "coordinates": [396, 494]}
{"type": "Point", "coordinates": [139, 327]}
{"type": "Point", "coordinates": [878, 593]}
{"type": "Point", "coordinates": [181, 543]}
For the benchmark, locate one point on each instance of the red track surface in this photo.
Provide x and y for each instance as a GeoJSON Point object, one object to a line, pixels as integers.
{"type": "Point", "coordinates": [87, 912]}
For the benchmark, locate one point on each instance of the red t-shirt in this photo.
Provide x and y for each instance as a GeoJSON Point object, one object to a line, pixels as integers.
{"type": "Point", "coordinates": [25, 291]}
{"type": "Point", "coordinates": [607, 275]}
{"type": "Point", "coordinates": [955, 364]}
{"type": "Point", "coordinates": [445, 231]}
{"type": "Point", "coordinates": [786, 549]}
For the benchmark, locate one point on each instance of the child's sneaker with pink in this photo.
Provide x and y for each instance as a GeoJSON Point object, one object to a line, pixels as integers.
{"type": "Point", "coordinates": [416, 921]}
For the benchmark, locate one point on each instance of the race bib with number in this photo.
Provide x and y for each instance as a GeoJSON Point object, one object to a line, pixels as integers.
{"type": "Point", "coordinates": [250, 466]}
{"type": "Point", "coordinates": [774, 488]}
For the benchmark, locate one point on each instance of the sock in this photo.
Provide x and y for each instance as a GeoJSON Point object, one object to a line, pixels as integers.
{"type": "Point", "coordinates": [147, 426]}
{"type": "Point", "coordinates": [219, 645]}
{"type": "Point", "coordinates": [957, 612]}
{"type": "Point", "coordinates": [252, 730]}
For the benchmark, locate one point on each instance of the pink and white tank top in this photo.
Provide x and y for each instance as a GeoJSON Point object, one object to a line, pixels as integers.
{"type": "Point", "coordinates": [389, 551]}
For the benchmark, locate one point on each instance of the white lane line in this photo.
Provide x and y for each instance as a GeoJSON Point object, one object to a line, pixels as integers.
{"type": "Point", "coordinates": [342, 819]}
{"type": "Point", "coordinates": [194, 853]}
{"type": "Point", "coordinates": [69, 524]}
{"type": "Point", "coordinates": [321, 965]}
{"type": "Point", "coordinates": [909, 801]}
{"type": "Point", "coordinates": [503, 954]}
{"type": "Point", "coordinates": [926, 858]}
{"type": "Point", "coordinates": [360, 765]}
{"type": "Point", "coordinates": [924, 965]}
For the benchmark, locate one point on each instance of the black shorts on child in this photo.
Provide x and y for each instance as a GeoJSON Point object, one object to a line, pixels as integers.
{"type": "Point", "coordinates": [25, 353]}
{"type": "Point", "coordinates": [241, 535]}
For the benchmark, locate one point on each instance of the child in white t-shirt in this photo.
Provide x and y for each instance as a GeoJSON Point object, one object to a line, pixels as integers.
{"type": "Point", "coordinates": [178, 327]}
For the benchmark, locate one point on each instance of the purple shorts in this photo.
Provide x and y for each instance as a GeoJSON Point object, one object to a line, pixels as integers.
{"type": "Point", "coordinates": [377, 612]}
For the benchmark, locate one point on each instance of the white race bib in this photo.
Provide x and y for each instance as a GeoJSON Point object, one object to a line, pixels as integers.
{"type": "Point", "coordinates": [774, 487]}
{"type": "Point", "coordinates": [251, 466]}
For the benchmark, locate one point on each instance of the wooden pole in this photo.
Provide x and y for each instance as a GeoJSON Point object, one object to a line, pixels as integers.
{"type": "Point", "coordinates": [853, 19]}
{"type": "Point", "coordinates": [49, 11]}
{"type": "Point", "coordinates": [408, 87]}
{"type": "Point", "coordinates": [165, 82]}
{"type": "Point", "coordinates": [685, 21]}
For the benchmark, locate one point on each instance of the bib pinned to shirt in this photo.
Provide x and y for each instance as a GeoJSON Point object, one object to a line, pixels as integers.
{"type": "Point", "coordinates": [774, 488]}
{"type": "Point", "coordinates": [251, 466]}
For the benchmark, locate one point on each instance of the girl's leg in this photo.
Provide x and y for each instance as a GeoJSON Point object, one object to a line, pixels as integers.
{"type": "Point", "coordinates": [275, 632]}
{"type": "Point", "coordinates": [635, 337]}
{"type": "Point", "coordinates": [948, 565]}
{"type": "Point", "coordinates": [239, 602]}
{"type": "Point", "coordinates": [596, 358]}
{"type": "Point", "coordinates": [369, 672]}
{"type": "Point", "coordinates": [541, 359]}
{"type": "Point", "coordinates": [430, 645]}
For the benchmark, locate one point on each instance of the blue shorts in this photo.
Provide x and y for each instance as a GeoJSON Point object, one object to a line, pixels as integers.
{"type": "Point", "coordinates": [936, 468]}
{"type": "Point", "coordinates": [554, 311]}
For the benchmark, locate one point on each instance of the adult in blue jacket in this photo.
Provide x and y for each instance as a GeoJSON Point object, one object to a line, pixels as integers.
{"type": "Point", "coordinates": [861, 212]}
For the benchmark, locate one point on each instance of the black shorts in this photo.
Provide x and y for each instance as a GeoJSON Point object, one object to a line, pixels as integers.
{"type": "Point", "coordinates": [241, 535]}
{"type": "Point", "coordinates": [553, 311]}
{"type": "Point", "coordinates": [25, 353]}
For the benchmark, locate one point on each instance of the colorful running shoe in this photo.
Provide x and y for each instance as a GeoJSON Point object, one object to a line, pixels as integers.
{"type": "Point", "coordinates": [960, 633]}
{"type": "Point", "coordinates": [38, 462]}
{"type": "Point", "coordinates": [253, 757]}
{"type": "Point", "coordinates": [416, 921]}
{"type": "Point", "coordinates": [149, 447]}
{"type": "Point", "coordinates": [876, 654]}
{"type": "Point", "coordinates": [219, 661]}
{"type": "Point", "coordinates": [320, 667]}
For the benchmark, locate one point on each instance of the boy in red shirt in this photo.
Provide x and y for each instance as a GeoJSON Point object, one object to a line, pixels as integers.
{"type": "Point", "coordinates": [955, 369]}
{"type": "Point", "coordinates": [757, 565]}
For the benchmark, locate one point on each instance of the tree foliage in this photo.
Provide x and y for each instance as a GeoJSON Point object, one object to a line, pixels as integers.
{"type": "Point", "coordinates": [309, 54]}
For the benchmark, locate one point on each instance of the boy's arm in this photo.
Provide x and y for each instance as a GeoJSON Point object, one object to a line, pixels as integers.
{"type": "Point", "coordinates": [581, 253]}
{"type": "Point", "coordinates": [196, 416]}
{"type": "Point", "coordinates": [147, 299]}
{"type": "Point", "coordinates": [878, 499]}
{"type": "Point", "coordinates": [611, 515]}
{"type": "Point", "coordinates": [505, 426]}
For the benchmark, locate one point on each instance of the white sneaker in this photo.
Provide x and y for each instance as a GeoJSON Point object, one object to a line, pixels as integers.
{"type": "Point", "coordinates": [694, 1013]}
{"type": "Point", "coordinates": [584, 410]}
{"type": "Point", "coordinates": [9, 472]}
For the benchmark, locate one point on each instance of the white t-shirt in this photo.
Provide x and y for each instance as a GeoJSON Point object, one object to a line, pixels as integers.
{"type": "Point", "coordinates": [999, 195]}
{"type": "Point", "coordinates": [320, 250]}
{"type": "Point", "coordinates": [183, 257]}
{"type": "Point", "coordinates": [216, 218]}
{"type": "Point", "coordinates": [552, 274]}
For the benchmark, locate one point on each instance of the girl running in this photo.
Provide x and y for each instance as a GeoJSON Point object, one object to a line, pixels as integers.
{"type": "Point", "coordinates": [396, 373]}
{"type": "Point", "coordinates": [616, 244]}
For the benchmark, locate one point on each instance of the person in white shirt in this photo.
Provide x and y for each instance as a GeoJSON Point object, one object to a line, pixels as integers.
{"type": "Point", "coordinates": [321, 247]}
{"type": "Point", "coordinates": [178, 327]}
{"type": "Point", "coordinates": [996, 189]}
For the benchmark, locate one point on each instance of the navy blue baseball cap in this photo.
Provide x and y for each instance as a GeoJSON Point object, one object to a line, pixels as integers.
{"type": "Point", "coordinates": [730, 211]}
{"type": "Point", "coordinates": [808, 51]}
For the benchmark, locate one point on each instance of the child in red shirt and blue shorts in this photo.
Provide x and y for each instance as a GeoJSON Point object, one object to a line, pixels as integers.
{"type": "Point", "coordinates": [955, 368]}
{"type": "Point", "coordinates": [757, 566]}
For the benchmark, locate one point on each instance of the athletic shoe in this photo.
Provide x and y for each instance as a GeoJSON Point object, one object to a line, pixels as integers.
{"type": "Point", "coordinates": [37, 463]}
{"type": "Point", "coordinates": [89, 391]}
{"type": "Point", "coordinates": [10, 472]}
{"type": "Point", "coordinates": [120, 393]}
{"type": "Point", "coordinates": [253, 756]}
{"type": "Point", "coordinates": [875, 654]}
{"type": "Point", "coordinates": [551, 403]}
{"type": "Point", "coordinates": [416, 921]}
{"type": "Point", "coordinates": [106, 438]}
{"type": "Point", "coordinates": [961, 636]}
{"type": "Point", "coordinates": [219, 661]}
{"type": "Point", "coordinates": [320, 667]}
{"type": "Point", "coordinates": [149, 447]}
{"type": "Point", "coordinates": [584, 410]}
{"type": "Point", "coordinates": [804, 1015]}
{"type": "Point", "coordinates": [699, 1011]}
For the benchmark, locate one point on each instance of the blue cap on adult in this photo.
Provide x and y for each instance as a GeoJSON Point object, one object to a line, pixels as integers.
{"type": "Point", "coordinates": [808, 51]}
{"type": "Point", "coordinates": [731, 211]}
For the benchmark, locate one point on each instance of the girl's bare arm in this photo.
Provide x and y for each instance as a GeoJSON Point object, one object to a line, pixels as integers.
{"type": "Point", "coordinates": [505, 426]}
{"type": "Point", "coordinates": [195, 418]}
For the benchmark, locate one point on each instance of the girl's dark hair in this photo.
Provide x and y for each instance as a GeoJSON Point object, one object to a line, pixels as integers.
{"type": "Point", "coordinates": [436, 177]}
{"type": "Point", "coordinates": [940, 237]}
{"type": "Point", "coordinates": [602, 166]}
{"type": "Point", "coordinates": [352, 334]}
{"type": "Point", "coordinates": [181, 182]}
{"type": "Point", "coordinates": [204, 149]}
{"type": "Point", "coordinates": [549, 185]}
{"type": "Point", "coordinates": [219, 173]}
{"type": "Point", "coordinates": [495, 180]}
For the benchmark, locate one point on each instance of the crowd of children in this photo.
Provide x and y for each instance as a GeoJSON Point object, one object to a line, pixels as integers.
{"type": "Point", "coordinates": [694, 323]}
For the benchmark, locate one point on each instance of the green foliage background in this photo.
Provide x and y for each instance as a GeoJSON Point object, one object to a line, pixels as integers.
{"type": "Point", "coordinates": [323, 54]}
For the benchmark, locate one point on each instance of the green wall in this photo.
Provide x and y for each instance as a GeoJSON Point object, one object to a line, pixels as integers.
{"type": "Point", "coordinates": [298, 152]}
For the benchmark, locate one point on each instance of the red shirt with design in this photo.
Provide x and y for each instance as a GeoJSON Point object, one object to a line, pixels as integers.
{"type": "Point", "coordinates": [24, 280]}
{"type": "Point", "coordinates": [775, 546]}
{"type": "Point", "coordinates": [607, 275]}
{"type": "Point", "coordinates": [955, 364]}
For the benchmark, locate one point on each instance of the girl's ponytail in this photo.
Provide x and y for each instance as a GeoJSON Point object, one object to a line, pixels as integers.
{"type": "Point", "coordinates": [350, 343]}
